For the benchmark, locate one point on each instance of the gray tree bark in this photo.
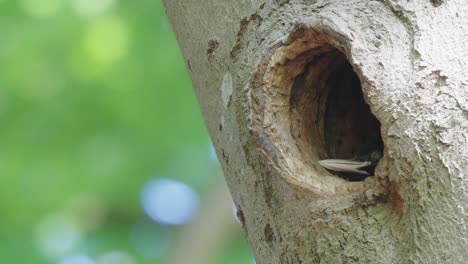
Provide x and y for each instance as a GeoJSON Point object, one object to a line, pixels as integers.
{"type": "Point", "coordinates": [269, 77]}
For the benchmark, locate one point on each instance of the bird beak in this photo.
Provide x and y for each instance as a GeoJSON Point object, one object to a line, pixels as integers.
{"type": "Point", "coordinates": [340, 165]}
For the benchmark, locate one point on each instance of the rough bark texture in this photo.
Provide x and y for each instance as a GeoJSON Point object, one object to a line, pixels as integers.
{"type": "Point", "coordinates": [265, 74]}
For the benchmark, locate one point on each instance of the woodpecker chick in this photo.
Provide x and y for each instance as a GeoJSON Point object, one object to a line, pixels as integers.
{"type": "Point", "coordinates": [357, 169]}
{"type": "Point", "coordinates": [341, 165]}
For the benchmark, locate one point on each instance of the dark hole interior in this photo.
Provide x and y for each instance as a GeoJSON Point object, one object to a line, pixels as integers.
{"type": "Point", "coordinates": [351, 130]}
{"type": "Point", "coordinates": [330, 117]}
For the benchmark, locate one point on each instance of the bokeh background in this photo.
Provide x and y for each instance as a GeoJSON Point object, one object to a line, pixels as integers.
{"type": "Point", "coordinates": [104, 157]}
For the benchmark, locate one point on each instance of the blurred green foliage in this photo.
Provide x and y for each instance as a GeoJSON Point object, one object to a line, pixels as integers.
{"type": "Point", "coordinates": [93, 103]}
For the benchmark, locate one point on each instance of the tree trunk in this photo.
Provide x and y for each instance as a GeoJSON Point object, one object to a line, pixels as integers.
{"type": "Point", "coordinates": [283, 84]}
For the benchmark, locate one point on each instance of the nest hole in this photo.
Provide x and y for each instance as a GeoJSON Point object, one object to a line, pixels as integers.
{"type": "Point", "coordinates": [330, 118]}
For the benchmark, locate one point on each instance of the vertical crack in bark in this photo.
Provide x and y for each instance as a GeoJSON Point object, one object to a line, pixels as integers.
{"type": "Point", "coordinates": [244, 24]}
{"type": "Point", "coordinates": [411, 29]}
